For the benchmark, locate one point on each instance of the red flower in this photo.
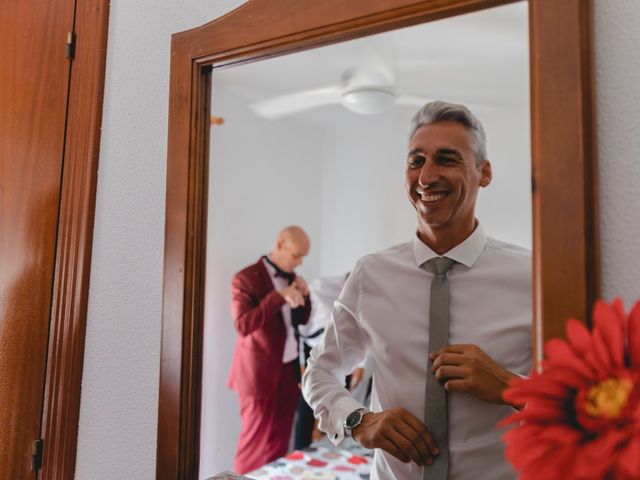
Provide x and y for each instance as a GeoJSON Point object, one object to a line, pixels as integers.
{"type": "Point", "coordinates": [581, 418]}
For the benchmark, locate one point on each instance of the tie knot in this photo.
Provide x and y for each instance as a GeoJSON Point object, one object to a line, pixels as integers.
{"type": "Point", "coordinates": [439, 265]}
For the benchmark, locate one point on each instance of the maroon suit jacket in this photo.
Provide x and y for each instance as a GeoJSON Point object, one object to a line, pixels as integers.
{"type": "Point", "coordinates": [257, 316]}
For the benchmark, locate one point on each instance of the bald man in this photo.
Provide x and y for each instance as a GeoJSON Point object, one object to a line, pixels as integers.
{"type": "Point", "coordinates": [268, 302]}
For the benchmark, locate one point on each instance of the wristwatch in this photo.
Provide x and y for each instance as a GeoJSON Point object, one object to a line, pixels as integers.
{"type": "Point", "coordinates": [353, 420]}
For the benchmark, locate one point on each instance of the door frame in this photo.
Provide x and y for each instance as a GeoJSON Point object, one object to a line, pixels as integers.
{"type": "Point", "coordinates": [564, 196]}
{"type": "Point", "coordinates": [65, 355]}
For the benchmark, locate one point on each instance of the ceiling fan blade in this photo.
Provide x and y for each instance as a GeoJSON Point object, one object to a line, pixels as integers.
{"type": "Point", "coordinates": [291, 103]}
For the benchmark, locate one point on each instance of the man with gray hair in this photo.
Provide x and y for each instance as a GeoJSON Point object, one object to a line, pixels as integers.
{"type": "Point", "coordinates": [445, 317]}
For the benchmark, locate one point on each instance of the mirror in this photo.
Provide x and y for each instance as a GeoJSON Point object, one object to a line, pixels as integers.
{"type": "Point", "coordinates": [285, 150]}
{"type": "Point", "coordinates": [565, 263]}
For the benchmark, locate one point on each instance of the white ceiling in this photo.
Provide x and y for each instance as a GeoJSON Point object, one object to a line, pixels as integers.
{"type": "Point", "coordinates": [480, 59]}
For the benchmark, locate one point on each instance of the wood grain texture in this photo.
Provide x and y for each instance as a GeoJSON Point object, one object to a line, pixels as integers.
{"type": "Point", "coordinates": [565, 221]}
{"type": "Point", "coordinates": [75, 237]}
{"type": "Point", "coordinates": [565, 260]}
{"type": "Point", "coordinates": [34, 80]}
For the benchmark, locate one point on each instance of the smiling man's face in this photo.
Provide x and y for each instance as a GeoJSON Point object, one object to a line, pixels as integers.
{"type": "Point", "coordinates": [442, 179]}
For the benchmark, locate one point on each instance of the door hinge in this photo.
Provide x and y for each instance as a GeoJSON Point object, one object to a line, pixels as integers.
{"type": "Point", "coordinates": [36, 454]}
{"type": "Point", "coordinates": [70, 46]}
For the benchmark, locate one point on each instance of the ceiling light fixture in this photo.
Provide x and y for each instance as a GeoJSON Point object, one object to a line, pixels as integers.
{"type": "Point", "coordinates": [368, 100]}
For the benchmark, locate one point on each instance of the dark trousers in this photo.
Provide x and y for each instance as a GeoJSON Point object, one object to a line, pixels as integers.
{"type": "Point", "coordinates": [305, 421]}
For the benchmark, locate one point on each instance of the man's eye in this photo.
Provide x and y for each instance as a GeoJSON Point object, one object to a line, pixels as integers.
{"type": "Point", "coordinates": [445, 160]}
{"type": "Point", "coordinates": [415, 161]}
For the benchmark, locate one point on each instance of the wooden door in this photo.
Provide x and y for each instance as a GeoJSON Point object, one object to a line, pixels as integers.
{"type": "Point", "coordinates": [34, 83]}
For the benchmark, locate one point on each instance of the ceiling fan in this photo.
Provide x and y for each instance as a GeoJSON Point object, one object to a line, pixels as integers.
{"type": "Point", "coordinates": [367, 84]}
{"type": "Point", "coordinates": [364, 91]}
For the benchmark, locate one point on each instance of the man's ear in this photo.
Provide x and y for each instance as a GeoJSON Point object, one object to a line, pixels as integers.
{"type": "Point", "coordinates": [486, 174]}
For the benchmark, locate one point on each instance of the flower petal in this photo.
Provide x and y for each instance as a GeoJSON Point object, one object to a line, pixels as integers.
{"type": "Point", "coordinates": [579, 336]}
{"type": "Point", "coordinates": [567, 377]}
{"type": "Point", "coordinates": [539, 412]}
{"type": "Point", "coordinates": [598, 457]}
{"type": "Point", "coordinates": [634, 335]}
{"type": "Point", "coordinates": [629, 460]}
{"type": "Point", "coordinates": [559, 353]}
{"type": "Point", "coordinates": [557, 465]}
{"type": "Point", "coordinates": [609, 332]}
{"type": "Point", "coordinates": [543, 387]}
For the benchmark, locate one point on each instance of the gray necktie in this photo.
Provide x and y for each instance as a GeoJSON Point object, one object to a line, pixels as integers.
{"type": "Point", "coordinates": [436, 396]}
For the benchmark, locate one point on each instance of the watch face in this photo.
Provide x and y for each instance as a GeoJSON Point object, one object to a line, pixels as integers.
{"type": "Point", "coordinates": [353, 419]}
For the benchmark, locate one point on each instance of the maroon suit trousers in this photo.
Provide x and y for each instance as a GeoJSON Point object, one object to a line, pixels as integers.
{"type": "Point", "coordinates": [267, 422]}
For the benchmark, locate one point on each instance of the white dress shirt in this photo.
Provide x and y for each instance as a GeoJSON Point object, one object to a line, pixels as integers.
{"type": "Point", "coordinates": [290, 352]}
{"type": "Point", "coordinates": [384, 311]}
{"type": "Point", "coordinates": [324, 292]}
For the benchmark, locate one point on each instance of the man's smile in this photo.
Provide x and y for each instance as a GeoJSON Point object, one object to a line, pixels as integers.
{"type": "Point", "coordinates": [431, 197]}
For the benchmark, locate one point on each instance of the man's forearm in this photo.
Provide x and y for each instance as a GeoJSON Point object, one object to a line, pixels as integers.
{"type": "Point", "coordinates": [330, 401]}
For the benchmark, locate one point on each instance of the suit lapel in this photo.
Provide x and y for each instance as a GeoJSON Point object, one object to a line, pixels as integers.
{"type": "Point", "coordinates": [264, 279]}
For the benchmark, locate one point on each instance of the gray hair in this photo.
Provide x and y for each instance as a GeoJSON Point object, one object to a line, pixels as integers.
{"type": "Point", "coordinates": [440, 111]}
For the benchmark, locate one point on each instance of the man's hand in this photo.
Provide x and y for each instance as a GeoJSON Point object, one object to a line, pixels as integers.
{"type": "Point", "coordinates": [399, 433]}
{"type": "Point", "coordinates": [467, 368]}
{"type": "Point", "coordinates": [301, 285]}
{"type": "Point", "coordinates": [292, 296]}
{"type": "Point", "coordinates": [356, 378]}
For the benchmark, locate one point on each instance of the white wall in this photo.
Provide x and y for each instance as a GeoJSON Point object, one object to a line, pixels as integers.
{"type": "Point", "coordinates": [263, 176]}
{"type": "Point", "coordinates": [504, 207]}
{"type": "Point", "coordinates": [118, 411]}
{"type": "Point", "coordinates": [117, 435]}
{"type": "Point", "coordinates": [618, 126]}
{"type": "Point", "coordinates": [364, 207]}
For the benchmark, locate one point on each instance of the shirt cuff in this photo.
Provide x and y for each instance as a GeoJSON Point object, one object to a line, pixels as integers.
{"type": "Point", "coordinates": [339, 413]}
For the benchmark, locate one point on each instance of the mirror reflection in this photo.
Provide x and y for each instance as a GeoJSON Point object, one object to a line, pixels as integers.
{"type": "Point", "coordinates": [319, 140]}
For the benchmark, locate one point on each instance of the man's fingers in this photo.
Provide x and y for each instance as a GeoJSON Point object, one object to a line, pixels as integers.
{"type": "Point", "coordinates": [398, 432]}
{"type": "Point", "coordinates": [411, 442]}
{"type": "Point", "coordinates": [389, 446]}
{"type": "Point", "coordinates": [423, 433]}
{"type": "Point", "coordinates": [460, 384]}
{"type": "Point", "coordinates": [414, 444]}
{"type": "Point", "coordinates": [301, 285]}
{"type": "Point", "coordinates": [457, 348]}
{"type": "Point", "coordinates": [294, 299]}
{"type": "Point", "coordinates": [448, 359]}
{"type": "Point", "coordinates": [356, 377]}
{"type": "Point", "coordinates": [297, 299]}
{"type": "Point", "coordinates": [447, 372]}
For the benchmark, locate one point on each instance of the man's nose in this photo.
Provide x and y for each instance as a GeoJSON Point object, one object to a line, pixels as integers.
{"type": "Point", "coordinates": [428, 174]}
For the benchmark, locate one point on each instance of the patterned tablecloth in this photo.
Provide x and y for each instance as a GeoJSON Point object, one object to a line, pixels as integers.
{"type": "Point", "coordinates": [321, 461]}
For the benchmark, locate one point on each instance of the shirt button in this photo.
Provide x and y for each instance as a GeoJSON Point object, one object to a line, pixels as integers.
{"type": "Point", "coordinates": [335, 436]}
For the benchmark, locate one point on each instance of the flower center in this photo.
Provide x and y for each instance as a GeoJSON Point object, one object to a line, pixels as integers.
{"type": "Point", "coordinates": [608, 398]}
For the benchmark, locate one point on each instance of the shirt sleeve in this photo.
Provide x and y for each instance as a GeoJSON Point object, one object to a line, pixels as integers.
{"type": "Point", "coordinates": [341, 350]}
{"type": "Point", "coordinates": [250, 312]}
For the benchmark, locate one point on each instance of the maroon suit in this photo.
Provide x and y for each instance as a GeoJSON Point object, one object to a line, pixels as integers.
{"type": "Point", "coordinates": [268, 389]}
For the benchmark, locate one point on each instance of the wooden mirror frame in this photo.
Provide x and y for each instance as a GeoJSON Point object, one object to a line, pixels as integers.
{"type": "Point", "coordinates": [565, 221]}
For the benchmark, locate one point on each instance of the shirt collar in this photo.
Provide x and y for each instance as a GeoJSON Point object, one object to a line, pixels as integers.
{"type": "Point", "coordinates": [465, 253]}
{"type": "Point", "coordinates": [270, 270]}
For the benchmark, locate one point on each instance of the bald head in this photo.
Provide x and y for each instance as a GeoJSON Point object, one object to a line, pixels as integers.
{"type": "Point", "coordinates": [292, 245]}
